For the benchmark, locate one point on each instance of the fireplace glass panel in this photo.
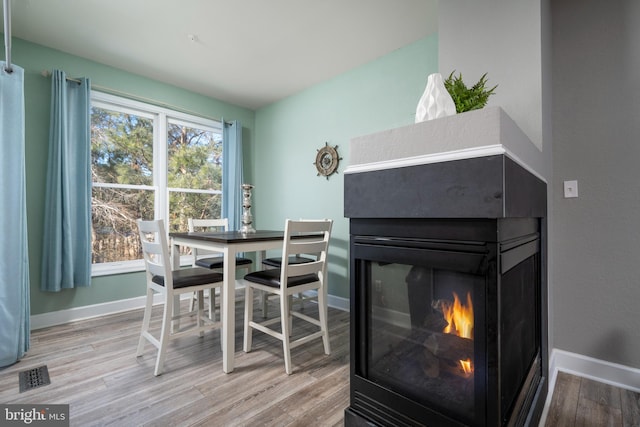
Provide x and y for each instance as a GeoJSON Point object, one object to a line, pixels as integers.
{"type": "Point", "coordinates": [519, 308]}
{"type": "Point", "coordinates": [420, 334]}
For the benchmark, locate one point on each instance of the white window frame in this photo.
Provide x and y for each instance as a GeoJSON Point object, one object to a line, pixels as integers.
{"type": "Point", "coordinates": [161, 116]}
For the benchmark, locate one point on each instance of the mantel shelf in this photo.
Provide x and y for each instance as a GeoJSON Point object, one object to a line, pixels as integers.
{"type": "Point", "coordinates": [480, 133]}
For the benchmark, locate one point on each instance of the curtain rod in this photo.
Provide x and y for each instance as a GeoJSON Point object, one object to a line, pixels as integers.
{"type": "Point", "coordinates": [7, 35]}
{"type": "Point", "coordinates": [47, 73]}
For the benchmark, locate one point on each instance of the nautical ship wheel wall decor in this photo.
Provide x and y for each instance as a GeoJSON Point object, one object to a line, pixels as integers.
{"type": "Point", "coordinates": [327, 160]}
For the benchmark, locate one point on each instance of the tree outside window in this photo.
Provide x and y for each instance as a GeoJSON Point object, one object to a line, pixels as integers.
{"type": "Point", "coordinates": [194, 174]}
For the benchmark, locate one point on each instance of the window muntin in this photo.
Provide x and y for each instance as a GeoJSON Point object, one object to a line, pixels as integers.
{"type": "Point", "coordinates": [148, 162]}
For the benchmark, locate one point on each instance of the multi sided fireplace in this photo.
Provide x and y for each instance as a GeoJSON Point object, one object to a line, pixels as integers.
{"type": "Point", "coordinates": [448, 300]}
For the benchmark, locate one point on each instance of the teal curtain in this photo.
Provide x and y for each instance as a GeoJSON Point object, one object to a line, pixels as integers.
{"type": "Point", "coordinates": [232, 173]}
{"type": "Point", "coordinates": [14, 257]}
{"type": "Point", "coordinates": [66, 257]}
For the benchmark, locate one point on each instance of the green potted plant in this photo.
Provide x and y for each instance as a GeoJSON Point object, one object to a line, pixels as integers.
{"type": "Point", "coordinates": [465, 98]}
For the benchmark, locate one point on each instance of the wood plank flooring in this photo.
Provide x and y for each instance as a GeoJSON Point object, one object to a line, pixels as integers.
{"type": "Point", "coordinates": [581, 402]}
{"type": "Point", "coordinates": [93, 368]}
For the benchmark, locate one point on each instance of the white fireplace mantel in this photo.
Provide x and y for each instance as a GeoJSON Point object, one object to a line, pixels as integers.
{"type": "Point", "coordinates": [479, 133]}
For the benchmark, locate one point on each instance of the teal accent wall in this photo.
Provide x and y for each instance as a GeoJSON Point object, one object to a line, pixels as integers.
{"type": "Point", "coordinates": [34, 59]}
{"type": "Point", "coordinates": [380, 95]}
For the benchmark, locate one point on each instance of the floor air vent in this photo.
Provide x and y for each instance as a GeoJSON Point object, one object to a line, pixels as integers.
{"type": "Point", "coordinates": [33, 378]}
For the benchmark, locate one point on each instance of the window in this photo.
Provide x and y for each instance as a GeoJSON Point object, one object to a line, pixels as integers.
{"type": "Point", "coordinates": [148, 162]}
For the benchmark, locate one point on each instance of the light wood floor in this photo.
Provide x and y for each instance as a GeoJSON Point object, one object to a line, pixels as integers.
{"type": "Point", "coordinates": [92, 366]}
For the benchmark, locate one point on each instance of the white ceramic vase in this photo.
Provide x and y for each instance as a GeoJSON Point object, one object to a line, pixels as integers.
{"type": "Point", "coordinates": [435, 101]}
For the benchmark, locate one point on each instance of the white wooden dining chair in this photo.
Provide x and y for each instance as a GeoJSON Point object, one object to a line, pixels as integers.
{"type": "Point", "coordinates": [161, 279]}
{"type": "Point", "coordinates": [212, 260]}
{"type": "Point", "coordinates": [290, 279]}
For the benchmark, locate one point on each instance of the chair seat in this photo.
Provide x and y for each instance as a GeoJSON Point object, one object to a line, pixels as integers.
{"type": "Point", "coordinates": [218, 262]}
{"type": "Point", "coordinates": [272, 278]}
{"type": "Point", "coordinates": [184, 278]}
{"type": "Point", "coordinates": [277, 261]}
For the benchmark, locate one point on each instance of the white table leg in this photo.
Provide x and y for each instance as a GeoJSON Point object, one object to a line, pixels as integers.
{"type": "Point", "coordinates": [175, 261]}
{"type": "Point", "coordinates": [229, 310]}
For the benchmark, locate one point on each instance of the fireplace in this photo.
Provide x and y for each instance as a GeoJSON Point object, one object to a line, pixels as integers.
{"type": "Point", "coordinates": [448, 294]}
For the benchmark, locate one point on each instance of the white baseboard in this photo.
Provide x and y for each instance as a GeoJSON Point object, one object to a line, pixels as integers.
{"type": "Point", "coordinates": [44, 320]}
{"type": "Point", "coordinates": [588, 367]}
{"type": "Point", "coordinates": [599, 370]}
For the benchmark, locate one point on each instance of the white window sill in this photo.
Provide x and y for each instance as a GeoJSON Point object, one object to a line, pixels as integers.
{"type": "Point", "coordinates": [111, 268]}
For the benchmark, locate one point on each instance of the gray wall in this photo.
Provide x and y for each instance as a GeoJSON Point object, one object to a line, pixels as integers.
{"type": "Point", "coordinates": [596, 132]}
{"type": "Point", "coordinates": [501, 38]}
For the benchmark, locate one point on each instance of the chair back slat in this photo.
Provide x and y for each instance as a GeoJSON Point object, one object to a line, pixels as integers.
{"type": "Point", "coordinates": [310, 248]}
{"type": "Point", "coordinates": [156, 250]}
{"type": "Point", "coordinates": [305, 268]}
{"type": "Point", "coordinates": [309, 226]}
{"type": "Point", "coordinates": [316, 246]}
{"type": "Point", "coordinates": [195, 224]}
{"type": "Point", "coordinates": [153, 257]}
{"type": "Point", "coordinates": [206, 224]}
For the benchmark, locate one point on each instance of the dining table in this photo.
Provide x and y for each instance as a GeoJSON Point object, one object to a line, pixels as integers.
{"type": "Point", "coordinates": [229, 244]}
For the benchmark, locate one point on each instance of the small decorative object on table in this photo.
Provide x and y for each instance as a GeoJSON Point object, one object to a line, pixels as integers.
{"type": "Point", "coordinates": [435, 101]}
{"type": "Point", "coordinates": [247, 218]}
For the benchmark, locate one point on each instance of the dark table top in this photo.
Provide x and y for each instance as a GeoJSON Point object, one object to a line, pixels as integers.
{"type": "Point", "coordinates": [235, 236]}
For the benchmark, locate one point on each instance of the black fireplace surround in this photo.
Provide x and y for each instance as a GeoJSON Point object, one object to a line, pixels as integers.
{"type": "Point", "coordinates": [448, 294]}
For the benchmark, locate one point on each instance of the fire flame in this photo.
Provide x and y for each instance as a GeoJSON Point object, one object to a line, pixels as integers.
{"type": "Point", "coordinates": [460, 322]}
{"type": "Point", "coordinates": [459, 317]}
{"type": "Point", "coordinates": [466, 366]}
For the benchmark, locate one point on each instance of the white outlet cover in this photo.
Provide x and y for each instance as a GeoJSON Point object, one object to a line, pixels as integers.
{"type": "Point", "coordinates": [570, 189]}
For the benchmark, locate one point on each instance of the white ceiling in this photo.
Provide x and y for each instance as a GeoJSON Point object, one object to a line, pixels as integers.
{"type": "Point", "coordinates": [246, 52]}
